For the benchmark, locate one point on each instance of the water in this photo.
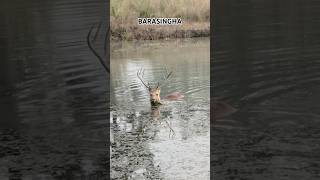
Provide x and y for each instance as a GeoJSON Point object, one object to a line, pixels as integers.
{"type": "Point", "coordinates": [53, 92]}
{"type": "Point", "coordinates": [53, 96]}
{"type": "Point", "coordinates": [172, 141]}
{"type": "Point", "coordinates": [266, 63]}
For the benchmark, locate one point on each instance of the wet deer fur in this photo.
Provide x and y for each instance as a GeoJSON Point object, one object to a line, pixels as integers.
{"type": "Point", "coordinates": [154, 92]}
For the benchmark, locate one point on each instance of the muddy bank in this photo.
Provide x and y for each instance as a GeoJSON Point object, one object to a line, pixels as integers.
{"type": "Point", "coordinates": [149, 32]}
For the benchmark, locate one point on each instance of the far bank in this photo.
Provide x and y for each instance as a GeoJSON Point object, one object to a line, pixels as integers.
{"type": "Point", "coordinates": [156, 32]}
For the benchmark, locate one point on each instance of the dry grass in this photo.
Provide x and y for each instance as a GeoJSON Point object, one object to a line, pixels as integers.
{"type": "Point", "coordinates": [186, 30]}
{"type": "Point", "coordinates": [124, 14]}
{"type": "Point", "coordinates": [189, 10]}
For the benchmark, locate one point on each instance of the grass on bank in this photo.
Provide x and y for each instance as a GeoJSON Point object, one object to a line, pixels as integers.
{"type": "Point", "coordinates": [195, 15]}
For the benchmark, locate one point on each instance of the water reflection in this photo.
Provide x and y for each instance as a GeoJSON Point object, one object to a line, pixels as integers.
{"type": "Point", "coordinates": [266, 63]}
{"type": "Point", "coordinates": [171, 141]}
{"type": "Point", "coordinates": [53, 92]}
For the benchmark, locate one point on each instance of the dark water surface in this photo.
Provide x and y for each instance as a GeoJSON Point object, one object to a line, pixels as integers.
{"type": "Point", "coordinates": [172, 141]}
{"type": "Point", "coordinates": [266, 62]}
{"type": "Point", "coordinates": [53, 91]}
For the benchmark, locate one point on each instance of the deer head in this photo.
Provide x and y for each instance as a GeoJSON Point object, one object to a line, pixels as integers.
{"type": "Point", "coordinates": [154, 92]}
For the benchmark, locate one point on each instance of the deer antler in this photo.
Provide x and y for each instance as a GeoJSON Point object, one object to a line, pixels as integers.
{"type": "Point", "coordinates": [140, 74]}
{"type": "Point", "coordinates": [91, 41]}
{"type": "Point", "coordinates": [165, 78]}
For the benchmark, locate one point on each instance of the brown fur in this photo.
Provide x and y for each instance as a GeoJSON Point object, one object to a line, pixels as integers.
{"type": "Point", "coordinates": [155, 96]}
{"type": "Point", "coordinates": [221, 109]}
{"type": "Point", "coordinates": [154, 93]}
{"type": "Point", "coordinates": [174, 96]}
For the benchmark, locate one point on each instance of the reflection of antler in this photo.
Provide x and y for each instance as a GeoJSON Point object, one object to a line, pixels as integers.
{"type": "Point", "coordinates": [155, 114]}
{"type": "Point", "coordinates": [91, 41]}
{"type": "Point", "coordinates": [155, 118]}
{"type": "Point", "coordinates": [143, 129]}
{"type": "Point", "coordinates": [171, 130]}
{"type": "Point", "coordinates": [140, 74]}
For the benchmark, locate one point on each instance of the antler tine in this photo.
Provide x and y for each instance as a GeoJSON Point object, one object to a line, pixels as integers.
{"type": "Point", "coordinates": [139, 73]}
{"type": "Point", "coordinates": [168, 74]}
{"type": "Point", "coordinates": [92, 48]}
{"type": "Point", "coordinates": [97, 32]}
{"type": "Point", "coordinates": [106, 40]}
{"type": "Point", "coordinates": [165, 77]}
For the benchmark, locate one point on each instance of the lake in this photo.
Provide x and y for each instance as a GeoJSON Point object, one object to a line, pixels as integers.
{"type": "Point", "coordinates": [265, 62]}
{"type": "Point", "coordinates": [172, 141]}
{"type": "Point", "coordinates": [53, 99]}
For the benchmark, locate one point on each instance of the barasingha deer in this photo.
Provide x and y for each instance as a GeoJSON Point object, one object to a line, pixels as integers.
{"type": "Point", "coordinates": [218, 109]}
{"type": "Point", "coordinates": [154, 92]}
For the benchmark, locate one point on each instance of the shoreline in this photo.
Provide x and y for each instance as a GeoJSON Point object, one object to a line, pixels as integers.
{"type": "Point", "coordinates": [157, 32]}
